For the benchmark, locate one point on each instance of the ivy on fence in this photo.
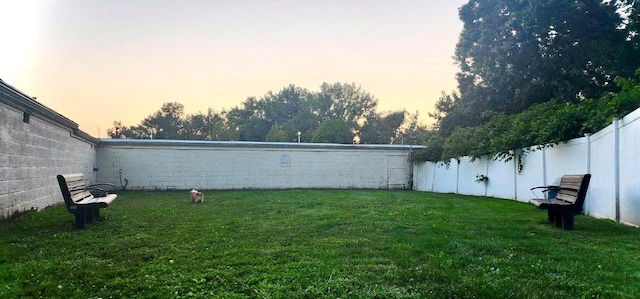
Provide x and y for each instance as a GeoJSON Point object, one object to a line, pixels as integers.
{"type": "Point", "coordinates": [506, 137]}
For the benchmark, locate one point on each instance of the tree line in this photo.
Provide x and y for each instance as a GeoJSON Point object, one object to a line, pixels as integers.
{"type": "Point", "coordinates": [536, 72]}
{"type": "Point", "coordinates": [530, 72]}
{"type": "Point", "coordinates": [336, 114]}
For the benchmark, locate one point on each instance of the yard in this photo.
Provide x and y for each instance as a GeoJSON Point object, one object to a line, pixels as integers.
{"type": "Point", "coordinates": [316, 244]}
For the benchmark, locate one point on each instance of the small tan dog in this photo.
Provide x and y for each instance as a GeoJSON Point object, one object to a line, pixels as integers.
{"type": "Point", "coordinates": [196, 197]}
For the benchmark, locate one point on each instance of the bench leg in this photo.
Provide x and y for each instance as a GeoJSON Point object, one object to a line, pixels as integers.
{"type": "Point", "coordinates": [89, 216]}
{"type": "Point", "coordinates": [553, 216]}
{"type": "Point", "coordinates": [558, 219]}
{"type": "Point", "coordinates": [96, 215]}
{"type": "Point", "coordinates": [567, 221]}
{"type": "Point", "coordinates": [81, 218]}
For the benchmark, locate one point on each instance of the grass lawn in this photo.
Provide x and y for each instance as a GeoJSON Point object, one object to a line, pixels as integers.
{"type": "Point", "coordinates": [316, 244]}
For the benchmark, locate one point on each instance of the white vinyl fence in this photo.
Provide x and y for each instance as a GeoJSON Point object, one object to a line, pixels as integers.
{"type": "Point", "coordinates": [611, 155]}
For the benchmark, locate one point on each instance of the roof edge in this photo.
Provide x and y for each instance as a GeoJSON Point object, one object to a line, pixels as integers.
{"type": "Point", "coordinates": [16, 99]}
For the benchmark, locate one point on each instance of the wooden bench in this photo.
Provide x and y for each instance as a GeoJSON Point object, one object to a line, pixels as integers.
{"type": "Point", "coordinates": [81, 200]}
{"type": "Point", "coordinates": [567, 202]}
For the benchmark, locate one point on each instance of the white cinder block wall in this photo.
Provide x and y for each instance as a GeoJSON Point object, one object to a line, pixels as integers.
{"type": "Point", "coordinates": [170, 164]}
{"type": "Point", "coordinates": [32, 153]}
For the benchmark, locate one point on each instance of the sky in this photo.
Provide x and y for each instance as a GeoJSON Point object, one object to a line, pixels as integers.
{"type": "Point", "coordinates": [100, 61]}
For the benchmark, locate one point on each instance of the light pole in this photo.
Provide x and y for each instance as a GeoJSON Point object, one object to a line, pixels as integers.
{"type": "Point", "coordinates": [299, 133]}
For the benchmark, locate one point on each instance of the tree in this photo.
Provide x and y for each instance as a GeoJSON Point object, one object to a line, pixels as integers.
{"type": "Point", "coordinates": [346, 102]}
{"type": "Point", "coordinates": [123, 132]}
{"type": "Point", "coordinates": [285, 105]}
{"type": "Point", "coordinates": [166, 123]}
{"type": "Point", "coordinates": [287, 112]}
{"type": "Point", "coordinates": [291, 109]}
{"type": "Point", "coordinates": [210, 126]}
{"type": "Point", "coordinates": [255, 129]}
{"type": "Point", "coordinates": [434, 143]}
{"type": "Point", "coordinates": [381, 128]}
{"type": "Point", "coordinates": [333, 131]}
{"type": "Point", "coordinates": [513, 54]}
{"type": "Point", "coordinates": [277, 134]}
{"type": "Point", "coordinates": [248, 121]}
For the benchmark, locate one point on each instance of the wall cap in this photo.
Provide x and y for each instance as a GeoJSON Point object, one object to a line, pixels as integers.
{"type": "Point", "coordinates": [250, 144]}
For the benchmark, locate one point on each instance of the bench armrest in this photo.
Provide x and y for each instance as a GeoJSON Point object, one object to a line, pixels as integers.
{"type": "Point", "coordinates": [546, 188]}
{"type": "Point", "coordinates": [102, 184]}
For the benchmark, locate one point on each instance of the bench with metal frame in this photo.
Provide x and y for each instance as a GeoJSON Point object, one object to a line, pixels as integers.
{"type": "Point", "coordinates": [567, 202]}
{"type": "Point", "coordinates": [82, 200]}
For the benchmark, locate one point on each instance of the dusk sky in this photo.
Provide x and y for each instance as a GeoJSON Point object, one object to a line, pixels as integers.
{"type": "Point", "coordinates": [99, 61]}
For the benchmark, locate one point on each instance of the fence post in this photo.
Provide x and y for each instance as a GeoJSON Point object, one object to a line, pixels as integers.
{"type": "Point", "coordinates": [433, 176]}
{"type": "Point", "coordinates": [588, 136]}
{"type": "Point", "coordinates": [616, 134]}
{"type": "Point", "coordinates": [457, 175]}
{"type": "Point", "coordinates": [544, 166]}
{"type": "Point", "coordinates": [486, 173]}
{"type": "Point", "coordinates": [515, 173]}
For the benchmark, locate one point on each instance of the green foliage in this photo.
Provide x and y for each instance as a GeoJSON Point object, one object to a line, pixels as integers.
{"type": "Point", "coordinates": [316, 244]}
{"type": "Point", "coordinates": [542, 124]}
{"type": "Point", "coordinates": [602, 110]}
{"type": "Point", "coordinates": [333, 131]}
{"type": "Point", "coordinates": [470, 141]}
{"type": "Point", "coordinates": [210, 126]}
{"type": "Point", "coordinates": [515, 54]}
{"type": "Point", "coordinates": [277, 134]}
{"type": "Point", "coordinates": [434, 143]}
{"type": "Point", "coordinates": [346, 102]}
{"type": "Point", "coordinates": [292, 109]}
{"type": "Point", "coordinates": [255, 129]}
{"type": "Point", "coordinates": [168, 123]}
{"type": "Point", "coordinates": [120, 131]}
{"type": "Point", "coordinates": [381, 128]}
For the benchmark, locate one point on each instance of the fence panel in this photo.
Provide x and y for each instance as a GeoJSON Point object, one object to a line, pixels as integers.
{"type": "Point", "coordinates": [630, 169]}
{"type": "Point", "coordinates": [423, 176]}
{"type": "Point", "coordinates": [568, 157]}
{"type": "Point", "coordinates": [600, 201]}
{"type": "Point", "coordinates": [445, 179]}
{"type": "Point", "coordinates": [532, 174]}
{"type": "Point", "coordinates": [467, 176]}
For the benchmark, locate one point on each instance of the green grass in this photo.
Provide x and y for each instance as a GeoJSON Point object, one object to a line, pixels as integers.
{"type": "Point", "coordinates": [316, 244]}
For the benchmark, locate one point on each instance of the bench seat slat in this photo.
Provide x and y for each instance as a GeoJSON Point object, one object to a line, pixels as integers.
{"type": "Point", "coordinates": [93, 200]}
{"type": "Point", "coordinates": [544, 202]}
{"type": "Point", "coordinates": [80, 196]}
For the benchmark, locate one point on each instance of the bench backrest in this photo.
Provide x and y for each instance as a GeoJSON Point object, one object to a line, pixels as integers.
{"type": "Point", "coordinates": [573, 188]}
{"type": "Point", "coordinates": [73, 188]}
